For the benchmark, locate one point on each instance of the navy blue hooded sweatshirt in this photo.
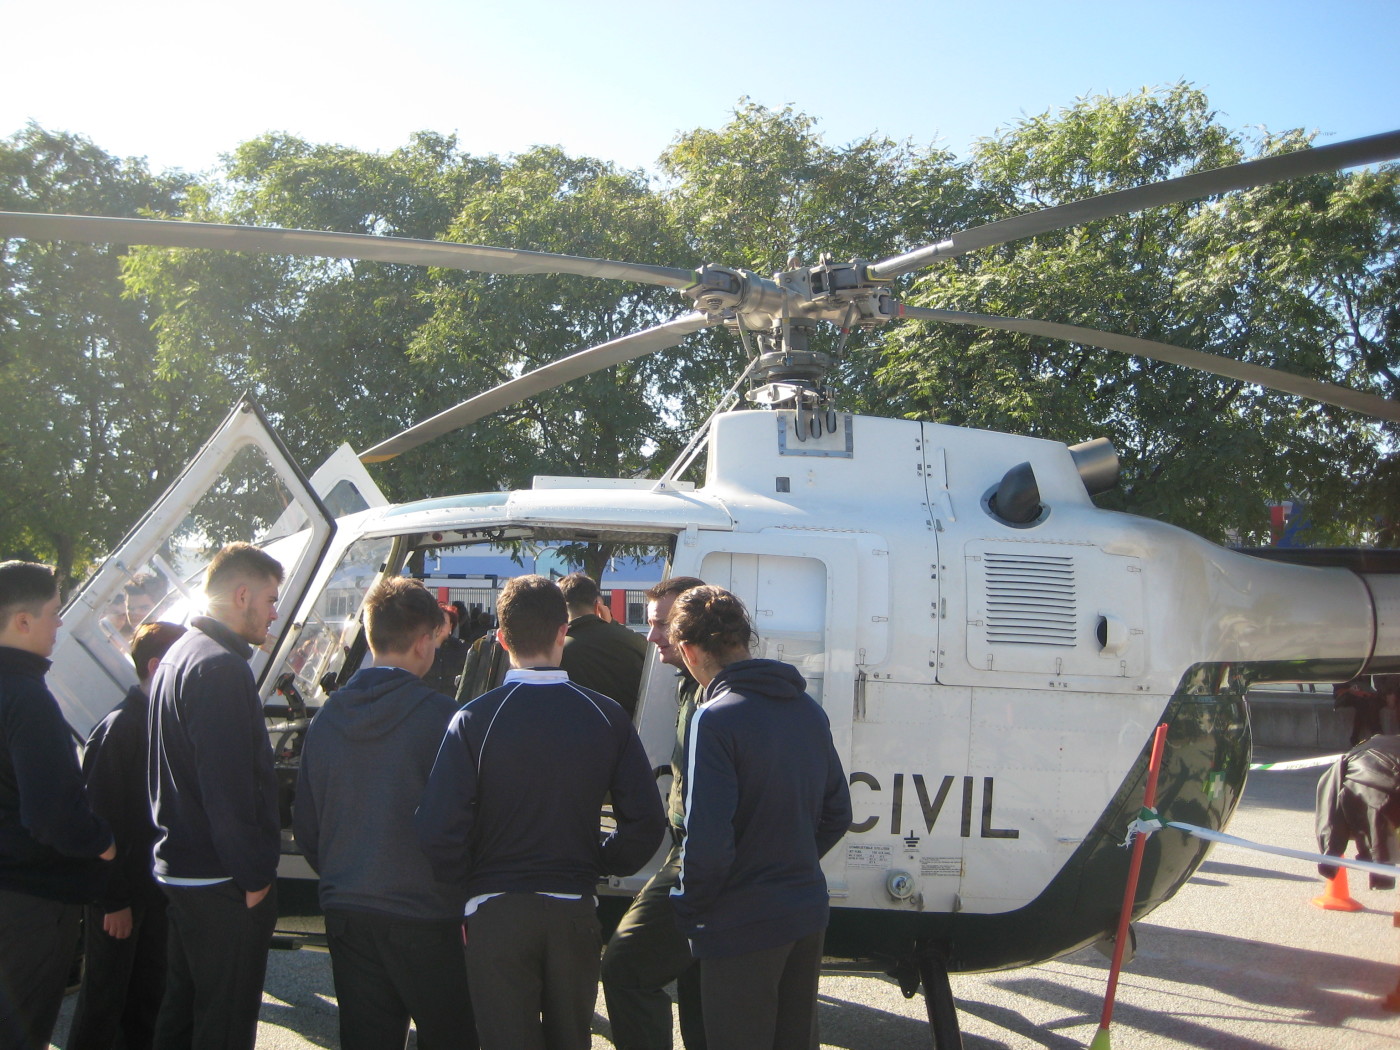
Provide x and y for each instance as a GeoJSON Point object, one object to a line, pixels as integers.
{"type": "Point", "coordinates": [766, 798]}
{"type": "Point", "coordinates": [515, 796]}
{"type": "Point", "coordinates": [49, 838]}
{"type": "Point", "coordinates": [367, 755]}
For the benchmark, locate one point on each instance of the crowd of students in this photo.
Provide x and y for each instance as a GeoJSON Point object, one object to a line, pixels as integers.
{"type": "Point", "coordinates": [458, 847]}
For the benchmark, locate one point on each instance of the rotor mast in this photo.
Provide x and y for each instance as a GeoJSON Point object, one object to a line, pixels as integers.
{"type": "Point", "coordinates": [782, 312]}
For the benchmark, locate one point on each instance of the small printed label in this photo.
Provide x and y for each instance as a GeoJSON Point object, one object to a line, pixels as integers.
{"type": "Point", "coordinates": [940, 867]}
{"type": "Point", "coordinates": [867, 856]}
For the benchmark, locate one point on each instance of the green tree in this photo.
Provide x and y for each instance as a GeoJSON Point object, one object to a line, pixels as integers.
{"type": "Point", "coordinates": [90, 433]}
{"type": "Point", "coordinates": [323, 344]}
{"type": "Point", "coordinates": [493, 327]}
{"type": "Point", "coordinates": [1293, 275]}
{"type": "Point", "coordinates": [1302, 275]}
{"type": "Point", "coordinates": [767, 188]}
{"type": "Point", "coordinates": [336, 349]}
{"type": "Point", "coordinates": [624, 421]}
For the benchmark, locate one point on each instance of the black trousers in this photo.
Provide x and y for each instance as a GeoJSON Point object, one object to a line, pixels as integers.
{"type": "Point", "coordinates": [38, 939]}
{"type": "Point", "coordinates": [216, 967]}
{"type": "Point", "coordinates": [646, 953]}
{"type": "Point", "coordinates": [532, 962]}
{"type": "Point", "coordinates": [123, 981]}
{"type": "Point", "coordinates": [389, 970]}
{"type": "Point", "coordinates": [764, 1000]}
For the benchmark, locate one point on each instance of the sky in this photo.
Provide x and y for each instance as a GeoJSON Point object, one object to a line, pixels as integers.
{"type": "Point", "coordinates": [180, 83]}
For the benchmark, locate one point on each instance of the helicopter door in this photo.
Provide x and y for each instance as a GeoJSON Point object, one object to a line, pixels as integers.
{"type": "Point", "coordinates": [238, 487]}
{"type": "Point", "coordinates": [819, 602]}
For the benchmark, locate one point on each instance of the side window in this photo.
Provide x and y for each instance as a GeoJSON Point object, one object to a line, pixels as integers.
{"type": "Point", "coordinates": [345, 498]}
{"type": "Point", "coordinates": [334, 618]}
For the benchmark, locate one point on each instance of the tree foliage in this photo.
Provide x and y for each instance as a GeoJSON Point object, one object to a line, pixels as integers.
{"type": "Point", "coordinates": [494, 327]}
{"type": "Point", "coordinates": [1288, 275]}
{"type": "Point", "coordinates": [128, 358]}
{"type": "Point", "coordinates": [90, 432]}
{"type": "Point", "coordinates": [323, 344]}
{"type": "Point", "coordinates": [767, 188]}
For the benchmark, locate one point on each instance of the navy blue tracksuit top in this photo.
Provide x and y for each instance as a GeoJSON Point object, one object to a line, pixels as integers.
{"type": "Point", "coordinates": [513, 802]}
{"type": "Point", "coordinates": [49, 838]}
{"type": "Point", "coordinates": [766, 798]}
{"type": "Point", "coordinates": [211, 778]}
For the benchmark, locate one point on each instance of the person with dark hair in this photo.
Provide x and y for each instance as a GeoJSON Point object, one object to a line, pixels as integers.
{"type": "Point", "coordinates": [451, 655]}
{"type": "Point", "coordinates": [1367, 703]}
{"type": "Point", "coordinates": [647, 951]}
{"type": "Point", "coordinates": [213, 793]}
{"type": "Point", "coordinates": [766, 798]}
{"type": "Point", "coordinates": [50, 839]}
{"type": "Point", "coordinates": [600, 654]}
{"type": "Point", "coordinates": [478, 625]}
{"type": "Point", "coordinates": [395, 931]}
{"type": "Point", "coordinates": [125, 932]}
{"type": "Point", "coordinates": [524, 846]}
{"type": "Point", "coordinates": [140, 596]}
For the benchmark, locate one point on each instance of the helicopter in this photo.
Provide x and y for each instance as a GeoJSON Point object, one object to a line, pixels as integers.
{"type": "Point", "coordinates": [992, 649]}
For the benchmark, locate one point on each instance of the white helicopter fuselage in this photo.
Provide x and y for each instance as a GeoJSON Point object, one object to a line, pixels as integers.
{"type": "Point", "coordinates": [992, 687]}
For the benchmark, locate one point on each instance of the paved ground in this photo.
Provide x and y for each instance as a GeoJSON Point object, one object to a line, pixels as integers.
{"type": "Point", "coordinates": [1237, 961]}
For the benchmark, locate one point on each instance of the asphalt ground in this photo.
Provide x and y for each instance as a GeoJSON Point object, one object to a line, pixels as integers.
{"type": "Point", "coordinates": [1238, 960]}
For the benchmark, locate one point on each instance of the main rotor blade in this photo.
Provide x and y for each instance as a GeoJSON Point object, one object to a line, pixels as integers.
{"type": "Point", "coordinates": [92, 229]}
{"type": "Point", "coordinates": [1273, 378]}
{"type": "Point", "coordinates": [1349, 154]}
{"type": "Point", "coordinates": [556, 373]}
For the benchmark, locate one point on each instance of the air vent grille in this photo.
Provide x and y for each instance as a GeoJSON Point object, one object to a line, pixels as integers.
{"type": "Point", "coordinates": [1030, 599]}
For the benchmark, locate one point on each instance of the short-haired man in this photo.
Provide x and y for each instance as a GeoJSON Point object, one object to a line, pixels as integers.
{"type": "Point", "coordinates": [213, 793]}
{"type": "Point", "coordinates": [140, 597]}
{"type": "Point", "coordinates": [511, 815]}
{"type": "Point", "coordinates": [125, 933]}
{"type": "Point", "coordinates": [648, 951]}
{"type": "Point", "coordinates": [49, 838]}
{"type": "Point", "coordinates": [395, 931]}
{"type": "Point", "coordinates": [600, 654]}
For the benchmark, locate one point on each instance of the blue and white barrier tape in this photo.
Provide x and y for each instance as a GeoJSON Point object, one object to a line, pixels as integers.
{"type": "Point", "coordinates": [1149, 821]}
{"type": "Point", "coordinates": [1297, 763]}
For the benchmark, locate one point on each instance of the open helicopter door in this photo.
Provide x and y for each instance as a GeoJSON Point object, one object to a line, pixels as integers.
{"type": "Point", "coordinates": [238, 487]}
{"type": "Point", "coordinates": [819, 601]}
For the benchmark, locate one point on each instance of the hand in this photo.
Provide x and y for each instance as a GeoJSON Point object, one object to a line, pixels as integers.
{"type": "Point", "coordinates": [117, 924]}
{"type": "Point", "coordinates": [110, 853]}
{"type": "Point", "coordinates": [255, 897]}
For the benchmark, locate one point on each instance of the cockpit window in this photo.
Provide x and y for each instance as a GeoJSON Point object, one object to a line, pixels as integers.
{"type": "Point", "coordinates": [333, 621]}
{"type": "Point", "coordinates": [344, 499]}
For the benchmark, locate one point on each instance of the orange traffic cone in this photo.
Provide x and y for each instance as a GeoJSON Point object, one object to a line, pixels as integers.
{"type": "Point", "coordinates": [1338, 897]}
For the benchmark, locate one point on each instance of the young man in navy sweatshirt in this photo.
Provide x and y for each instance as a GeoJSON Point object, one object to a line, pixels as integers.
{"type": "Point", "coordinates": [124, 938]}
{"type": "Point", "coordinates": [49, 838]}
{"type": "Point", "coordinates": [214, 797]}
{"type": "Point", "coordinates": [511, 816]}
{"type": "Point", "coordinates": [395, 931]}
